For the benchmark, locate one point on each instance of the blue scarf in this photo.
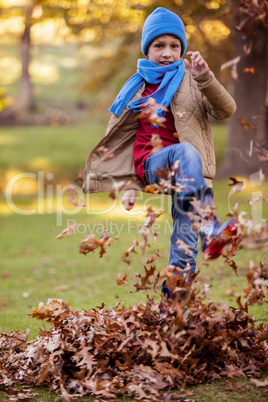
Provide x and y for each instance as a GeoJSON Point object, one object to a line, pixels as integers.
{"type": "Point", "coordinates": [169, 77]}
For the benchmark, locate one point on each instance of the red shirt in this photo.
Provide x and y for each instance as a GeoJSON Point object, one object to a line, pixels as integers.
{"type": "Point", "coordinates": [142, 147]}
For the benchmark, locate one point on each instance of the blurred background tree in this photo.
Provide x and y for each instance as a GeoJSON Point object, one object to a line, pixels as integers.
{"type": "Point", "coordinates": [30, 12]}
{"type": "Point", "coordinates": [249, 126]}
{"type": "Point", "coordinates": [89, 21]}
{"type": "Point", "coordinates": [116, 24]}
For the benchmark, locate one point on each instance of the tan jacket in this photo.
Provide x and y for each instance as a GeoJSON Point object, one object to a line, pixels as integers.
{"type": "Point", "coordinates": [195, 99]}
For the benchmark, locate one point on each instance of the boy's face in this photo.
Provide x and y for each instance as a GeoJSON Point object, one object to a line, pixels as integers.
{"type": "Point", "coordinates": [164, 50]}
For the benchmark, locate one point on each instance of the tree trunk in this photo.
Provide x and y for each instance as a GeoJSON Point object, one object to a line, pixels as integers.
{"type": "Point", "coordinates": [25, 98]}
{"type": "Point", "coordinates": [249, 93]}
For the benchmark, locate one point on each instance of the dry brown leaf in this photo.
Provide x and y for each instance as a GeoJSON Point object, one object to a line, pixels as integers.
{"type": "Point", "coordinates": [150, 113]}
{"type": "Point", "coordinates": [230, 63]}
{"type": "Point", "coordinates": [236, 184]}
{"type": "Point", "coordinates": [56, 309]}
{"type": "Point", "coordinates": [70, 231]}
{"type": "Point", "coordinates": [74, 195]}
{"type": "Point", "coordinates": [249, 70]}
{"type": "Point", "coordinates": [178, 136]}
{"type": "Point", "coordinates": [125, 256]}
{"type": "Point", "coordinates": [156, 143]}
{"type": "Point", "coordinates": [153, 189]}
{"type": "Point", "coordinates": [90, 243]}
{"type": "Point", "coordinates": [122, 281]}
{"type": "Point", "coordinates": [248, 47]}
{"type": "Point", "coordinates": [261, 152]}
{"type": "Point", "coordinates": [113, 195]}
{"type": "Point", "coordinates": [145, 280]}
{"type": "Point", "coordinates": [151, 216]}
{"type": "Point", "coordinates": [80, 176]}
{"type": "Point", "coordinates": [233, 64]}
{"type": "Point", "coordinates": [181, 114]}
{"type": "Point", "coordinates": [187, 249]}
{"type": "Point", "coordinates": [104, 151]}
{"type": "Point", "coordinates": [259, 383]}
{"type": "Point", "coordinates": [247, 126]}
{"type": "Point", "coordinates": [137, 390]}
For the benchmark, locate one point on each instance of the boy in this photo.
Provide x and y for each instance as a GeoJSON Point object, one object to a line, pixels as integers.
{"type": "Point", "coordinates": [189, 96]}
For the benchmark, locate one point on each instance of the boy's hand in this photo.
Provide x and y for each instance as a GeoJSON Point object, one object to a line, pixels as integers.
{"type": "Point", "coordinates": [198, 65]}
{"type": "Point", "coordinates": [128, 199]}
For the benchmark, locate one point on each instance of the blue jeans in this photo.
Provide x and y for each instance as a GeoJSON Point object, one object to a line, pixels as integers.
{"type": "Point", "coordinates": [190, 167]}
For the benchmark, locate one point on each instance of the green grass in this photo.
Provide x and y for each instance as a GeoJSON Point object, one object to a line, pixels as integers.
{"type": "Point", "coordinates": [229, 390]}
{"type": "Point", "coordinates": [61, 150]}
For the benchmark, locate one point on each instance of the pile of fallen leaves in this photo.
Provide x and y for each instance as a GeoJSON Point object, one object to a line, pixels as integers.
{"type": "Point", "coordinates": [142, 351]}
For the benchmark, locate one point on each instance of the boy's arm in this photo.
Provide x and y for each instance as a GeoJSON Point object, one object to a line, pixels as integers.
{"type": "Point", "coordinates": [217, 101]}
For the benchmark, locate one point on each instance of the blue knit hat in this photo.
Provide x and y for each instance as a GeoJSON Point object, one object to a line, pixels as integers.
{"type": "Point", "coordinates": [162, 22]}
